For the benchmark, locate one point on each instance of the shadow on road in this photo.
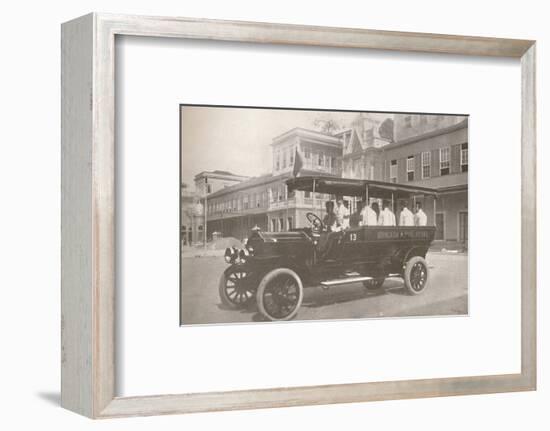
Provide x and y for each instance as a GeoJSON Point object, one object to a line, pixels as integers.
{"type": "Point", "coordinates": [339, 295]}
{"type": "Point", "coordinates": [249, 308]}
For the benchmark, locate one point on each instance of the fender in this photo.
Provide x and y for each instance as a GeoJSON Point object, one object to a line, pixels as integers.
{"type": "Point", "coordinates": [402, 256]}
{"type": "Point", "coordinates": [264, 264]}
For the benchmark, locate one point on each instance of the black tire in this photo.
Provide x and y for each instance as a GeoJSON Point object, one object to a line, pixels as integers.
{"type": "Point", "coordinates": [375, 283]}
{"type": "Point", "coordinates": [280, 294]}
{"type": "Point", "coordinates": [416, 275]}
{"type": "Point", "coordinates": [235, 288]}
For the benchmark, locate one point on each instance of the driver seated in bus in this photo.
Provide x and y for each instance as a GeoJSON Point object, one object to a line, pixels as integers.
{"type": "Point", "coordinates": [329, 220]}
{"type": "Point", "coordinates": [331, 232]}
{"type": "Point", "coordinates": [355, 218]}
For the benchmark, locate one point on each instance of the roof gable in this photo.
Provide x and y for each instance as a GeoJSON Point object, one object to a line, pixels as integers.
{"type": "Point", "coordinates": [355, 144]}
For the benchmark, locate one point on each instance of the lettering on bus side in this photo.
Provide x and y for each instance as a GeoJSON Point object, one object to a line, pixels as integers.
{"type": "Point", "coordinates": [388, 235]}
{"type": "Point", "coordinates": [400, 234]}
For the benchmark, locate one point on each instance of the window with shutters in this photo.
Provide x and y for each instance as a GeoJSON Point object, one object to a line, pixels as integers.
{"type": "Point", "coordinates": [426, 164]}
{"type": "Point", "coordinates": [277, 160]}
{"type": "Point", "coordinates": [393, 171]}
{"type": "Point", "coordinates": [410, 168]}
{"type": "Point", "coordinates": [464, 158]}
{"type": "Point", "coordinates": [292, 151]}
{"type": "Point", "coordinates": [444, 160]}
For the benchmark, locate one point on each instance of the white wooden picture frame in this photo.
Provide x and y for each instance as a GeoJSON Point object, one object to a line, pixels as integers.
{"type": "Point", "coordinates": [88, 214]}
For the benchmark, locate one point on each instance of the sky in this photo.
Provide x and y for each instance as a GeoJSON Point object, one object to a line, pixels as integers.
{"type": "Point", "coordinates": [238, 139]}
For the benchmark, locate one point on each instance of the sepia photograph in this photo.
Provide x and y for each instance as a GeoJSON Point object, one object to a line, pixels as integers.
{"type": "Point", "coordinates": [306, 214]}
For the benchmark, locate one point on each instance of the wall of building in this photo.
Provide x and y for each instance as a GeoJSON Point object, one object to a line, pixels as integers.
{"type": "Point", "coordinates": [237, 226]}
{"type": "Point", "coordinates": [409, 125]}
{"type": "Point", "coordinates": [400, 152]}
{"type": "Point", "coordinates": [211, 182]}
{"type": "Point", "coordinates": [283, 153]}
{"type": "Point", "coordinates": [368, 165]}
{"type": "Point", "coordinates": [192, 218]}
{"type": "Point", "coordinates": [255, 198]}
{"type": "Point", "coordinates": [319, 152]}
{"type": "Point", "coordinates": [320, 159]}
{"type": "Point", "coordinates": [295, 215]}
{"type": "Point", "coordinates": [451, 205]}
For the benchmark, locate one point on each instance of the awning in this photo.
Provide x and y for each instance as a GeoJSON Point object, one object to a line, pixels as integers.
{"type": "Point", "coordinates": [353, 187]}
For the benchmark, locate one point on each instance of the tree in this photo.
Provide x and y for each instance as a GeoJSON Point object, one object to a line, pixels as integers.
{"type": "Point", "coordinates": [327, 125]}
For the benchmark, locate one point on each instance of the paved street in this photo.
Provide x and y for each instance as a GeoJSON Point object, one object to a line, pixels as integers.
{"type": "Point", "coordinates": [447, 294]}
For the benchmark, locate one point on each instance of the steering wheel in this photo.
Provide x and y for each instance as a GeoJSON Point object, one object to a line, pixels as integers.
{"type": "Point", "coordinates": [316, 222]}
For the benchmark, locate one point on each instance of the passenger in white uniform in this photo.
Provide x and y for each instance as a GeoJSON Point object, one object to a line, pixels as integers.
{"type": "Point", "coordinates": [368, 216]}
{"type": "Point", "coordinates": [406, 217]}
{"type": "Point", "coordinates": [387, 217]}
{"type": "Point", "coordinates": [342, 215]}
{"type": "Point", "coordinates": [420, 218]}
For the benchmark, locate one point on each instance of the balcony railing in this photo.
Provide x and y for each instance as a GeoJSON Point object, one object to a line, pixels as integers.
{"type": "Point", "coordinates": [292, 202]}
{"type": "Point", "coordinates": [296, 201]}
{"type": "Point", "coordinates": [281, 204]}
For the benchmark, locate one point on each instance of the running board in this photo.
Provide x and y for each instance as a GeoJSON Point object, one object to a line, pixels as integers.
{"type": "Point", "coordinates": [349, 280]}
{"type": "Point", "coordinates": [339, 281]}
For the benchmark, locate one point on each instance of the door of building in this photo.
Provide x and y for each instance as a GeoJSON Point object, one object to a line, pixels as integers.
{"type": "Point", "coordinates": [463, 226]}
{"type": "Point", "coordinates": [439, 226]}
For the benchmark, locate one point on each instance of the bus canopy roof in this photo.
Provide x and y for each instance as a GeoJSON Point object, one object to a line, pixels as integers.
{"type": "Point", "coordinates": [352, 187]}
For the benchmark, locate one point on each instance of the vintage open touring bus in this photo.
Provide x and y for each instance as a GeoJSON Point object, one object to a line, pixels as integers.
{"type": "Point", "coordinates": [275, 267]}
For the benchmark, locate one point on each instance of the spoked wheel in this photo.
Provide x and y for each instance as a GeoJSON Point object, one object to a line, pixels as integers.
{"type": "Point", "coordinates": [416, 275]}
{"type": "Point", "coordinates": [280, 294]}
{"type": "Point", "coordinates": [374, 283]}
{"type": "Point", "coordinates": [235, 288]}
